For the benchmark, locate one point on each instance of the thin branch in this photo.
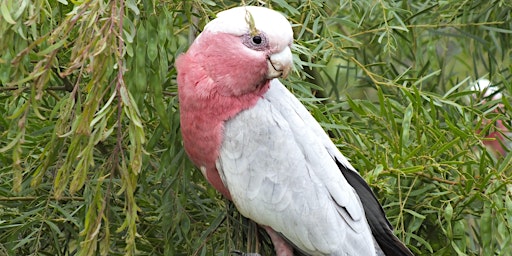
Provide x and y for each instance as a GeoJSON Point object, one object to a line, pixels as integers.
{"type": "Point", "coordinates": [16, 88]}
{"type": "Point", "coordinates": [449, 182]}
{"type": "Point", "coordinates": [32, 198]}
{"type": "Point", "coordinates": [432, 26]}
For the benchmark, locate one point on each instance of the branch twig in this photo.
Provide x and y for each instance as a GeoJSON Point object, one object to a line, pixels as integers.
{"type": "Point", "coordinates": [32, 198]}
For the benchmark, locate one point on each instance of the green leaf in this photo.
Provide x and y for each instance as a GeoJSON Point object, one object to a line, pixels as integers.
{"type": "Point", "coordinates": [406, 126]}
{"type": "Point", "coordinates": [152, 41]}
{"type": "Point", "coordinates": [4, 10]}
{"type": "Point", "coordinates": [12, 143]}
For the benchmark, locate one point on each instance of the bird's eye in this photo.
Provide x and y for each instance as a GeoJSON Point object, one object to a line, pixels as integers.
{"type": "Point", "coordinates": [257, 39]}
{"type": "Point", "coordinates": [256, 42]}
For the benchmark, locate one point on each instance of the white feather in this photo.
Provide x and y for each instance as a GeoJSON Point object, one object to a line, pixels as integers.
{"type": "Point", "coordinates": [273, 23]}
{"type": "Point", "coordinates": [486, 87]}
{"type": "Point", "coordinates": [278, 164]}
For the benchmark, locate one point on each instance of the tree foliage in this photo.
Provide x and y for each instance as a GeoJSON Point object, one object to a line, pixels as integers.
{"type": "Point", "coordinates": [91, 160]}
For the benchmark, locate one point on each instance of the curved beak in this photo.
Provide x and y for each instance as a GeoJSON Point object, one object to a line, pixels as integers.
{"type": "Point", "coordinates": [279, 64]}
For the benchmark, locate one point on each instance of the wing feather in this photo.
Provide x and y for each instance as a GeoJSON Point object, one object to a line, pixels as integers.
{"type": "Point", "coordinates": [281, 174]}
{"type": "Point", "coordinates": [379, 224]}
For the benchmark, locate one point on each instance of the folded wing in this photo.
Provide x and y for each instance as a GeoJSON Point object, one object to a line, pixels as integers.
{"type": "Point", "coordinates": [281, 174]}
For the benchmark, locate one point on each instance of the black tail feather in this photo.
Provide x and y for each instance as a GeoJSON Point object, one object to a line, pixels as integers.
{"type": "Point", "coordinates": [381, 228]}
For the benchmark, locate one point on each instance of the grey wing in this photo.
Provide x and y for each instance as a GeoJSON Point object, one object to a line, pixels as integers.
{"type": "Point", "coordinates": [280, 174]}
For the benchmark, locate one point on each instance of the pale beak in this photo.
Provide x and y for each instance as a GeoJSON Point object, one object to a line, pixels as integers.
{"type": "Point", "coordinates": [279, 64]}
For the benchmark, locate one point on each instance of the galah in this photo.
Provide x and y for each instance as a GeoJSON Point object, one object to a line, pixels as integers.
{"type": "Point", "coordinates": [500, 141]}
{"type": "Point", "coordinates": [261, 148]}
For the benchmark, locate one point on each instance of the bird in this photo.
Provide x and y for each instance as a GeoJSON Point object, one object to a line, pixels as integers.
{"type": "Point", "coordinates": [498, 142]}
{"type": "Point", "coordinates": [256, 143]}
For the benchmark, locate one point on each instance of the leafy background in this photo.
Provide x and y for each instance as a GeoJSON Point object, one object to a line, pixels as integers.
{"type": "Point", "coordinates": [91, 161]}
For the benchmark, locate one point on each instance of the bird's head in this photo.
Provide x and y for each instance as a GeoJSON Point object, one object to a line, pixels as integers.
{"type": "Point", "coordinates": [242, 50]}
{"type": "Point", "coordinates": [486, 89]}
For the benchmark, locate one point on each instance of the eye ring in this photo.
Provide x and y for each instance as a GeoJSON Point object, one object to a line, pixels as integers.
{"type": "Point", "coordinates": [256, 42]}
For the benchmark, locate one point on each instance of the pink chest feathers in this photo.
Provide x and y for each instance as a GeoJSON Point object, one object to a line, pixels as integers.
{"type": "Point", "coordinates": [213, 88]}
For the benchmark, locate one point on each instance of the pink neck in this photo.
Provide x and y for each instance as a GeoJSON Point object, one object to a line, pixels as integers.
{"type": "Point", "coordinates": [213, 87]}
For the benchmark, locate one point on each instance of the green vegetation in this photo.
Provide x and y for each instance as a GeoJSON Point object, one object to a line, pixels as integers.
{"type": "Point", "coordinates": [91, 161]}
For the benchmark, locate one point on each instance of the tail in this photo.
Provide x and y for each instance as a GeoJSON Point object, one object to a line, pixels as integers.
{"type": "Point", "coordinates": [382, 230]}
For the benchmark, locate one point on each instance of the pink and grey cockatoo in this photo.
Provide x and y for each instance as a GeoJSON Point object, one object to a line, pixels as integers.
{"type": "Point", "coordinates": [500, 141]}
{"type": "Point", "coordinates": [260, 147]}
